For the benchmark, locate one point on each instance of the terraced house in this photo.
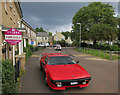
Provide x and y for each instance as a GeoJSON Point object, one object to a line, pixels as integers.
{"type": "Point", "coordinates": [30, 34]}
{"type": "Point", "coordinates": [11, 17]}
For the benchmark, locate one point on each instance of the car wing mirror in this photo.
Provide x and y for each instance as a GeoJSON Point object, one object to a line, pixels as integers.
{"type": "Point", "coordinates": [77, 62]}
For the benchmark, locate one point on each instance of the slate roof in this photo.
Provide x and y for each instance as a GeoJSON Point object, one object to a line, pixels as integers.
{"type": "Point", "coordinates": [42, 34]}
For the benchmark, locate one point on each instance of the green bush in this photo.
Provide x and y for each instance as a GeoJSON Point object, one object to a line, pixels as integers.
{"type": "Point", "coordinates": [114, 48]}
{"type": "Point", "coordinates": [107, 47]}
{"type": "Point", "coordinates": [22, 72]}
{"type": "Point", "coordinates": [8, 78]}
{"type": "Point", "coordinates": [36, 48]}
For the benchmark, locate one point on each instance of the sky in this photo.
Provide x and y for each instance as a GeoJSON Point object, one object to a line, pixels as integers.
{"type": "Point", "coordinates": [54, 16]}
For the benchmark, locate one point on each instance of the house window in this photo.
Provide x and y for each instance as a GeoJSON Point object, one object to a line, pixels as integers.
{"type": "Point", "coordinates": [22, 25]}
{"type": "Point", "coordinates": [10, 9]}
{"type": "Point", "coordinates": [62, 38]}
{"type": "Point", "coordinates": [5, 4]}
{"type": "Point", "coordinates": [28, 30]}
{"type": "Point", "coordinates": [45, 38]}
{"type": "Point", "coordinates": [14, 12]}
{"type": "Point", "coordinates": [56, 38]}
{"type": "Point", "coordinates": [18, 24]}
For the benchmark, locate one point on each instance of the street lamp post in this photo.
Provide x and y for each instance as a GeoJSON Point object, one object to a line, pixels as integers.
{"type": "Point", "coordinates": [80, 37]}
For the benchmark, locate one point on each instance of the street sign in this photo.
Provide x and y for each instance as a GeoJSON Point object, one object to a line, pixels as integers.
{"type": "Point", "coordinates": [13, 36]}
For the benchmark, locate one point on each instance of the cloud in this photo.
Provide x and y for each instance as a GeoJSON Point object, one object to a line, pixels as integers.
{"type": "Point", "coordinates": [69, 0]}
{"type": "Point", "coordinates": [61, 28]}
{"type": "Point", "coordinates": [54, 16]}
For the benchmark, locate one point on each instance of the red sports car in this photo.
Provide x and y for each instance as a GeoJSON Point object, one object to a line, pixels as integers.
{"type": "Point", "coordinates": [60, 72]}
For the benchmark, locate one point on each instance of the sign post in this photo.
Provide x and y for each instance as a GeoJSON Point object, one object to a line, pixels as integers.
{"type": "Point", "coordinates": [13, 36]}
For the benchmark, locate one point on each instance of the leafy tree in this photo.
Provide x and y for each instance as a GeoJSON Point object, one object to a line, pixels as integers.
{"type": "Point", "coordinates": [66, 34]}
{"type": "Point", "coordinates": [119, 29]}
{"type": "Point", "coordinates": [50, 33]}
{"type": "Point", "coordinates": [40, 29]}
{"type": "Point", "coordinates": [97, 23]}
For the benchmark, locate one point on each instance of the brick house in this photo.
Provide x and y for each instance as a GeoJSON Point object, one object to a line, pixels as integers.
{"type": "Point", "coordinates": [10, 16]}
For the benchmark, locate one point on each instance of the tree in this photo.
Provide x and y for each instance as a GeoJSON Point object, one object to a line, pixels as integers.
{"type": "Point", "coordinates": [40, 29]}
{"type": "Point", "coordinates": [50, 33]}
{"type": "Point", "coordinates": [119, 29]}
{"type": "Point", "coordinates": [66, 34]}
{"type": "Point", "coordinates": [97, 23]}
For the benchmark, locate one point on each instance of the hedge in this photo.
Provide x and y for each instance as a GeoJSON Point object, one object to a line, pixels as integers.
{"type": "Point", "coordinates": [107, 47]}
{"type": "Point", "coordinates": [8, 78]}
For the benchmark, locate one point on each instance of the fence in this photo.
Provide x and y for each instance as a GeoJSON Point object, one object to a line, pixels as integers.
{"type": "Point", "coordinates": [17, 69]}
{"type": "Point", "coordinates": [104, 54]}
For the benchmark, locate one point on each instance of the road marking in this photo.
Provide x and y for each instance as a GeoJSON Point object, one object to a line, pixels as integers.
{"type": "Point", "coordinates": [35, 56]}
{"type": "Point", "coordinates": [96, 59]}
{"type": "Point", "coordinates": [81, 55]}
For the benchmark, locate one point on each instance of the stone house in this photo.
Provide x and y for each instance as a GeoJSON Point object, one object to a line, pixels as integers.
{"type": "Point", "coordinates": [58, 36]}
{"type": "Point", "coordinates": [42, 38]}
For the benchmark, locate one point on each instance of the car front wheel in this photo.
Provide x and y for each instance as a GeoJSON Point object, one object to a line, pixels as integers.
{"type": "Point", "coordinates": [41, 68]}
{"type": "Point", "coordinates": [45, 79]}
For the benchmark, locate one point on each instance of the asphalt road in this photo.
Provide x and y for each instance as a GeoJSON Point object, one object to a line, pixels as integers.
{"type": "Point", "coordinates": [104, 74]}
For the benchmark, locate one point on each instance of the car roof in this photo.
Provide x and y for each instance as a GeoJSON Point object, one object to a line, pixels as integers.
{"type": "Point", "coordinates": [53, 54]}
{"type": "Point", "coordinates": [57, 55]}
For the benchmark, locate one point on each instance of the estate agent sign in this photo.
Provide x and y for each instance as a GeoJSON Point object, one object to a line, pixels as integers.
{"type": "Point", "coordinates": [13, 36]}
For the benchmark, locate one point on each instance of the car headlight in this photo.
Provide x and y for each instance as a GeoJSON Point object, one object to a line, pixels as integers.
{"type": "Point", "coordinates": [86, 81]}
{"type": "Point", "coordinates": [59, 84]}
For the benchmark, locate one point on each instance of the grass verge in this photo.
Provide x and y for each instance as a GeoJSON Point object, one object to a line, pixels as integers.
{"type": "Point", "coordinates": [98, 53]}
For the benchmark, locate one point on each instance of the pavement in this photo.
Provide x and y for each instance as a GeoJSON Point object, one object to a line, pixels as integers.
{"type": "Point", "coordinates": [104, 74]}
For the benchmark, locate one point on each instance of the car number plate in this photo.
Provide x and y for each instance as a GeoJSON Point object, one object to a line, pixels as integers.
{"type": "Point", "coordinates": [74, 83]}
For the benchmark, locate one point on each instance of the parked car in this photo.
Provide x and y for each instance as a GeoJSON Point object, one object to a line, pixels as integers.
{"type": "Point", "coordinates": [47, 44]}
{"type": "Point", "coordinates": [41, 45]}
{"type": "Point", "coordinates": [60, 72]}
{"type": "Point", "coordinates": [58, 47]}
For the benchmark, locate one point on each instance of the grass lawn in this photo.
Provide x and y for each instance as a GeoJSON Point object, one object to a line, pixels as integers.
{"type": "Point", "coordinates": [98, 53]}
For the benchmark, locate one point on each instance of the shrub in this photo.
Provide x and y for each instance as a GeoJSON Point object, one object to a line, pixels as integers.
{"type": "Point", "coordinates": [22, 71]}
{"type": "Point", "coordinates": [114, 48]}
{"type": "Point", "coordinates": [8, 78]}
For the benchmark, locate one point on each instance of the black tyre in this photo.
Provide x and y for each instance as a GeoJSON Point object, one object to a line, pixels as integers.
{"type": "Point", "coordinates": [41, 68]}
{"type": "Point", "coordinates": [45, 79]}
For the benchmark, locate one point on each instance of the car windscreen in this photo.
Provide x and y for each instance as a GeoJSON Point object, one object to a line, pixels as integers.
{"type": "Point", "coordinates": [60, 60]}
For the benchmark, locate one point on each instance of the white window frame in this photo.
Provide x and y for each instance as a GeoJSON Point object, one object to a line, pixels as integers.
{"type": "Point", "coordinates": [5, 5]}
{"type": "Point", "coordinates": [28, 30]}
{"type": "Point", "coordinates": [19, 24]}
{"type": "Point", "coordinates": [22, 25]}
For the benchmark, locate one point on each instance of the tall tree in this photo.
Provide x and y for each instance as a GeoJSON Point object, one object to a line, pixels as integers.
{"type": "Point", "coordinates": [50, 33]}
{"type": "Point", "coordinates": [119, 29]}
{"type": "Point", "coordinates": [40, 29]}
{"type": "Point", "coordinates": [66, 34]}
{"type": "Point", "coordinates": [97, 22]}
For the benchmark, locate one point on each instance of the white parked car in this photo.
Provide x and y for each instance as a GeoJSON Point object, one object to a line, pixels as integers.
{"type": "Point", "coordinates": [47, 45]}
{"type": "Point", "coordinates": [41, 45]}
{"type": "Point", "coordinates": [58, 47]}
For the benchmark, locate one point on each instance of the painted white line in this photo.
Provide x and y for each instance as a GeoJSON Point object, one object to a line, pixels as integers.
{"type": "Point", "coordinates": [96, 59]}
